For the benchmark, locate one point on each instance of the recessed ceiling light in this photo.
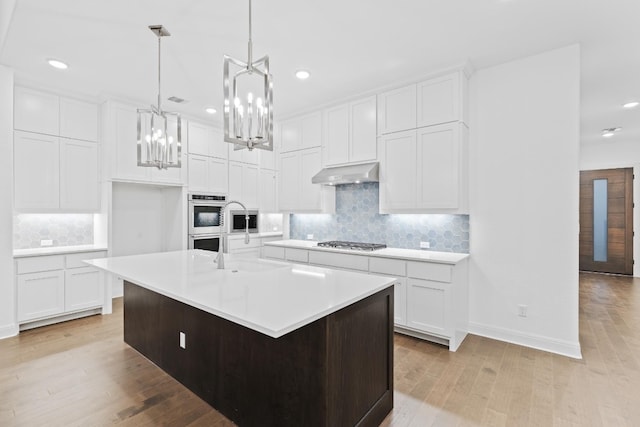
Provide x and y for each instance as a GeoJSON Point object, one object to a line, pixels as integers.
{"type": "Point", "coordinates": [57, 64]}
{"type": "Point", "coordinates": [210, 110]}
{"type": "Point", "coordinates": [632, 104]}
{"type": "Point", "coordinates": [609, 132]}
{"type": "Point", "coordinates": [302, 74]}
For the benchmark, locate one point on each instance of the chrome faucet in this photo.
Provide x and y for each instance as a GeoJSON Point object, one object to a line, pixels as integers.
{"type": "Point", "coordinates": [220, 257]}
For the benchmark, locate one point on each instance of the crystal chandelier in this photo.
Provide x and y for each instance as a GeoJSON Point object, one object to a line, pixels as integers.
{"type": "Point", "coordinates": [159, 132]}
{"type": "Point", "coordinates": [248, 124]}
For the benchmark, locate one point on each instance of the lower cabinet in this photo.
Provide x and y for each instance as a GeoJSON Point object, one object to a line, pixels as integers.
{"type": "Point", "coordinates": [57, 285]}
{"type": "Point", "coordinates": [430, 298]}
{"type": "Point", "coordinates": [235, 245]}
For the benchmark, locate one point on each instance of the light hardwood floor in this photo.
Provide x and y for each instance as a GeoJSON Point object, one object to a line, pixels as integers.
{"type": "Point", "coordinates": [81, 373]}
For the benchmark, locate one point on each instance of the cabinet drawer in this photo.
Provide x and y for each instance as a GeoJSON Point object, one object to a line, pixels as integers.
{"type": "Point", "coordinates": [392, 267]}
{"type": "Point", "coordinates": [430, 271]}
{"type": "Point", "coordinates": [351, 262]}
{"type": "Point", "coordinates": [39, 263]}
{"type": "Point", "coordinates": [238, 243]}
{"type": "Point", "coordinates": [297, 255]}
{"type": "Point", "coordinates": [75, 260]}
{"type": "Point", "coordinates": [272, 252]}
{"type": "Point", "coordinates": [40, 294]}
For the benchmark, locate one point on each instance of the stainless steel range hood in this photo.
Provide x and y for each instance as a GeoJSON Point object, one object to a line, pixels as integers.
{"type": "Point", "coordinates": [348, 174]}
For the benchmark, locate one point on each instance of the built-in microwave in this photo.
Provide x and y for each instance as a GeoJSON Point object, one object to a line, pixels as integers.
{"type": "Point", "coordinates": [205, 212]}
{"type": "Point", "coordinates": [207, 242]}
{"type": "Point", "coordinates": [238, 221]}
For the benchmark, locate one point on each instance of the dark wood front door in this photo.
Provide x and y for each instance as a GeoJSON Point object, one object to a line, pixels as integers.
{"type": "Point", "coordinates": [606, 221]}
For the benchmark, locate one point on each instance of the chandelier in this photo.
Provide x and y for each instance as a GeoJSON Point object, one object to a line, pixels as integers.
{"type": "Point", "coordinates": [159, 132]}
{"type": "Point", "coordinates": [248, 119]}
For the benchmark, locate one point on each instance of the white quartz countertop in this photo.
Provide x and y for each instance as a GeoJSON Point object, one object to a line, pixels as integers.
{"type": "Point", "coordinates": [396, 253]}
{"type": "Point", "coordinates": [263, 234]}
{"type": "Point", "coordinates": [271, 297]}
{"type": "Point", "coordinates": [56, 250]}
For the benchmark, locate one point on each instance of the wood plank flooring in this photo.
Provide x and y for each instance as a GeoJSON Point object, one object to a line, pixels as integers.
{"type": "Point", "coordinates": [80, 373]}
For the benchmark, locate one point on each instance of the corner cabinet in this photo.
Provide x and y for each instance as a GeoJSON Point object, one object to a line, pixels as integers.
{"type": "Point", "coordinates": [424, 170]}
{"type": "Point", "coordinates": [297, 193]}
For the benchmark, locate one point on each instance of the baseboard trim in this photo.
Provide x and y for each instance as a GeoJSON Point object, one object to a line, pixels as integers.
{"type": "Point", "coordinates": [10, 330]}
{"type": "Point", "coordinates": [561, 347]}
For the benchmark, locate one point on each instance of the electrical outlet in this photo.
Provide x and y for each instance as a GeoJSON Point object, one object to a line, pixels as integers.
{"type": "Point", "coordinates": [183, 340]}
{"type": "Point", "coordinates": [522, 310]}
{"type": "Point", "coordinates": [425, 245]}
{"type": "Point", "coordinates": [46, 242]}
{"type": "Point", "coordinates": [309, 236]}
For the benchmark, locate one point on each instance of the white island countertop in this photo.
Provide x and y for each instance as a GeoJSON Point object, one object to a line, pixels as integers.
{"type": "Point", "coordinates": [396, 253]}
{"type": "Point", "coordinates": [271, 297]}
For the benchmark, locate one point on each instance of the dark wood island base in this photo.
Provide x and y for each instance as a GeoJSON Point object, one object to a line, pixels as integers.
{"type": "Point", "coordinates": [336, 371]}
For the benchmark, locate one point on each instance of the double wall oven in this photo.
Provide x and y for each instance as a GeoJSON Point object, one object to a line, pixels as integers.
{"type": "Point", "coordinates": [205, 217]}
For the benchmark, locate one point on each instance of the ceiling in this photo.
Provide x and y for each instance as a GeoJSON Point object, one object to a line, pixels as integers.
{"type": "Point", "coordinates": [350, 47]}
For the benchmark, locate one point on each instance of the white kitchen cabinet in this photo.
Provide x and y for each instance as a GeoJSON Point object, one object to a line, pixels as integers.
{"type": "Point", "coordinates": [57, 285]}
{"type": "Point", "coordinates": [40, 294]}
{"type": "Point", "coordinates": [36, 111]}
{"type": "Point", "coordinates": [273, 252]}
{"type": "Point", "coordinates": [441, 99]}
{"type": "Point", "coordinates": [397, 110]}
{"type": "Point", "coordinates": [36, 171]}
{"type": "Point", "coordinates": [350, 132]}
{"type": "Point", "coordinates": [268, 184]}
{"type": "Point", "coordinates": [208, 175]}
{"type": "Point", "coordinates": [297, 193]}
{"type": "Point", "coordinates": [79, 180]}
{"type": "Point", "coordinates": [243, 184]}
{"type": "Point", "coordinates": [301, 132]}
{"type": "Point", "coordinates": [424, 170]}
{"type": "Point", "coordinates": [244, 155]}
{"type": "Point", "coordinates": [200, 138]}
{"type": "Point", "coordinates": [78, 119]}
{"type": "Point", "coordinates": [426, 306]}
{"type": "Point", "coordinates": [268, 160]}
{"type": "Point", "coordinates": [340, 260]}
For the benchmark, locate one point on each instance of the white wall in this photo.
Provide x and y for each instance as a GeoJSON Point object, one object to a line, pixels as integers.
{"type": "Point", "coordinates": [524, 201]}
{"type": "Point", "coordinates": [8, 325]}
{"type": "Point", "coordinates": [612, 155]}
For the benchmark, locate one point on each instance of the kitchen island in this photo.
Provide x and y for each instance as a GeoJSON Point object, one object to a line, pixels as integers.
{"type": "Point", "coordinates": [264, 342]}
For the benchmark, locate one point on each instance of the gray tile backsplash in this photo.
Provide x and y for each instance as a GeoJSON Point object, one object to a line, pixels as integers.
{"type": "Point", "coordinates": [62, 229]}
{"type": "Point", "coordinates": [357, 219]}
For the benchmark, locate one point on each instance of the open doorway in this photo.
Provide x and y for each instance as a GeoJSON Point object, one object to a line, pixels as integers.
{"type": "Point", "coordinates": [606, 221]}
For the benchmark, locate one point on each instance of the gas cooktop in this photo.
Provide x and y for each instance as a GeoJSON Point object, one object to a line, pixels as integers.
{"type": "Point", "coordinates": [356, 246]}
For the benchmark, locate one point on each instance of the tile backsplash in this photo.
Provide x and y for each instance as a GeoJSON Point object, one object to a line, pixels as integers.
{"type": "Point", "coordinates": [357, 219]}
{"type": "Point", "coordinates": [62, 229]}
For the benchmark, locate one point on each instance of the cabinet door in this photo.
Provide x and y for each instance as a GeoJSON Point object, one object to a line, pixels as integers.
{"type": "Point", "coordinates": [438, 100]}
{"type": "Point", "coordinates": [198, 180]}
{"type": "Point", "coordinates": [290, 135]}
{"type": "Point", "coordinates": [439, 172]}
{"type": "Point", "coordinates": [363, 142]}
{"type": "Point", "coordinates": [250, 186]}
{"type": "Point", "coordinates": [235, 181]}
{"type": "Point", "coordinates": [126, 157]}
{"type": "Point", "coordinates": [40, 294]}
{"type": "Point", "coordinates": [79, 180]}
{"type": "Point", "coordinates": [198, 139]}
{"type": "Point", "coordinates": [289, 181]}
{"type": "Point", "coordinates": [268, 182]}
{"type": "Point", "coordinates": [399, 173]}
{"type": "Point", "coordinates": [217, 147]}
{"type": "Point", "coordinates": [78, 120]}
{"type": "Point", "coordinates": [268, 160]}
{"type": "Point", "coordinates": [310, 164]}
{"type": "Point", "coordinates": [426, 306]}
{"type": "Point", "coordinates": [400, 301]}
{"type": "Point", "coordinates": [397, 110]}
{"type": "Point", "coordinates": [84, 288]}
{"type": "Point", "coordinates": [336, 147]}
{"type": "Point", "coordinates": [36, 171]}
{"type": "Point", "coordinates": [36, 111]}
{"type": "Point", "coordinates": [218, 178]}
{"type": "Point", "coordinates": [311, 128]}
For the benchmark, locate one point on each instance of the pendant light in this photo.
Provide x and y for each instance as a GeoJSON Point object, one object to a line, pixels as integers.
{"type": "Point", "coordinates": [159, 132]}
{"type": "Point", "coordinates": [248, 97]}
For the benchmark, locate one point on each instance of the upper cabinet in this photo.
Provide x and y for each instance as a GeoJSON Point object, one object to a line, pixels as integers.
{"type": "Point", "coordinates": [431, 102]}
{"type": "Point", "coordinates": [206, 141]}
{"type": "Point", "coordinates": [297, 193]}
{"type": "Point", "coordinates": [350, 133]}
{"type": "Point", "coordinates": [301, 132]}
{"type": "Point", "coordinates": [49, 114]}
{"type": "Point", "coordinates": [120, 145]}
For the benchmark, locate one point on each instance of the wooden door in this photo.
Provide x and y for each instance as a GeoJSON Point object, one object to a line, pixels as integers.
{"type": "Point", "coordinates": [606, 221]}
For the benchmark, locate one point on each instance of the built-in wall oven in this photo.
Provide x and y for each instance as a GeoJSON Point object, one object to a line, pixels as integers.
{"type": "Point", "coordinates": [205, 217]}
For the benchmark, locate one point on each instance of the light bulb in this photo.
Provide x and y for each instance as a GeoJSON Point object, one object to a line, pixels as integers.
{"type": "Point", "coordinates": [250, 97]}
